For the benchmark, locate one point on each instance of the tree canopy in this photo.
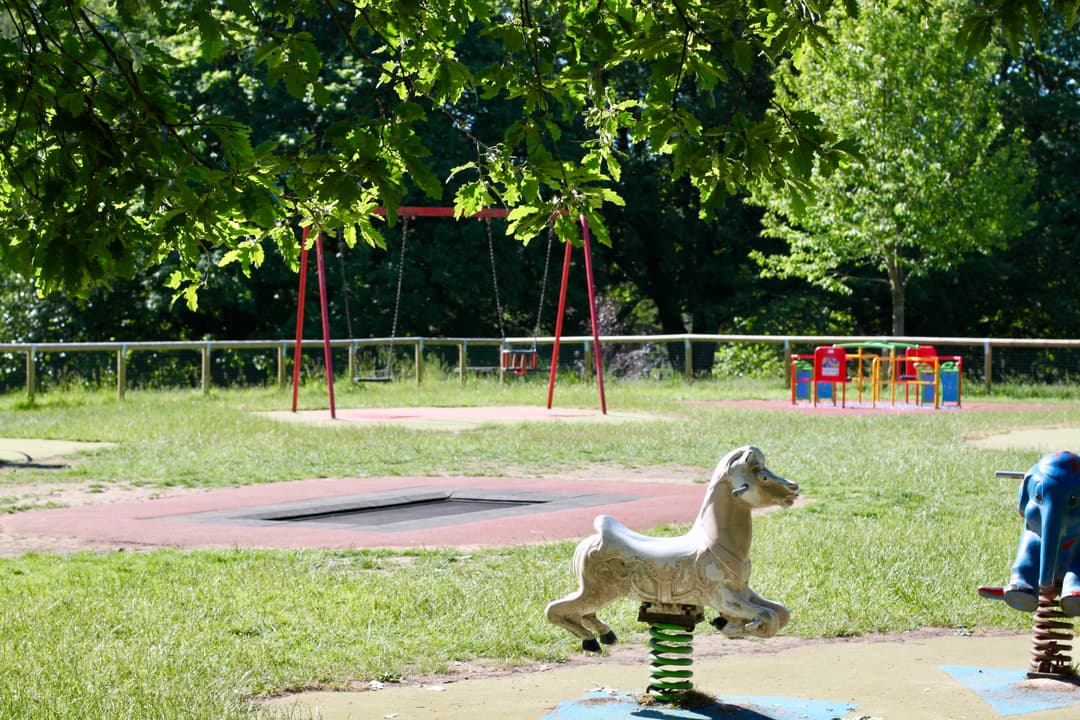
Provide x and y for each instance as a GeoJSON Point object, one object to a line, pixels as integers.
{"type": "Point", "coordinates": [937, 179]}
{"type": "Point", "coordinates": [111, 162]}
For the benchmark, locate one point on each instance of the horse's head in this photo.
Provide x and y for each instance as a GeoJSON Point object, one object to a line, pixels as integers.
{"type": "Point", "coordinates": [743, 469]}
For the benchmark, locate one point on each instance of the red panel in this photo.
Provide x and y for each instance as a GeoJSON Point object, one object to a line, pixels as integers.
{"type": "Point", "coordinates": [911, 359]}
{"type": "Point", "coordinates": [830, 364]}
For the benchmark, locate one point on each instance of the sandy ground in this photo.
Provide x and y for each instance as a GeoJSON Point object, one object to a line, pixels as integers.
{"type": "Point", "coordinates": [885, 677]}
{"type": "Point", "coordinates": [1040, 439]}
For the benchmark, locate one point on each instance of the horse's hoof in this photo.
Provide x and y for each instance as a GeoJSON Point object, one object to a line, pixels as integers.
{"type": "Point", "coordinates": [719, 622]}
{"type": "Point", "coordinates": [609, 638]}
{"type": "Point", "coordinates": [590, 645]}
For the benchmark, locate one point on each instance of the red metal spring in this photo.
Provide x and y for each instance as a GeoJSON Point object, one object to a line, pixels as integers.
{"type": "Point", "coordinates": [1051, 641]}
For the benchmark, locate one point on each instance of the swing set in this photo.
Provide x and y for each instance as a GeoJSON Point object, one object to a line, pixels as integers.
{"type": "Point", "coordinates": [518, 360]}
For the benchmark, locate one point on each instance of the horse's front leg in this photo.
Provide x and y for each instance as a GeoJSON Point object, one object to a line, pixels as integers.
{"type": "Point", "coordinates": [743, 615]}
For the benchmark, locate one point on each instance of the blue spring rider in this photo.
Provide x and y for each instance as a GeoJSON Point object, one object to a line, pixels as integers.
{"type": "Point", "coordinates": [1045, 577]}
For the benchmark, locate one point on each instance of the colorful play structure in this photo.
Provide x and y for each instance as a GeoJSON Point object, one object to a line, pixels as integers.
{"type": "Point", "coordinates": [879, 371]}
{"type": "Point", "coordinates": [514, 359]}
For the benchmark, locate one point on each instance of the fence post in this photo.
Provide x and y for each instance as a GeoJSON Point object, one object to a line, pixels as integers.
{"type": "Point", "coordinates": [352, 360]}
{"type": "Point", "coordinates": [987, 363]}
{"type": "Point", "coordinates": [281, 350]}
{"type": "Point", "coordinates": [688, 359]}
{"type": "Point", "coordinates": [31, 373]}
{"type": "Point", "coordinates": [206, 368]}
{"type": "Point", "coordinates": [462, 353]}
{"type": "Point", "coordinates": [787, 362]}
{"type": "Point", "coordinates": [121, 372]}
{"type": "Point", "coordinates": [419, 355]}
{"type": "Point", "coordinates": [585, 375]}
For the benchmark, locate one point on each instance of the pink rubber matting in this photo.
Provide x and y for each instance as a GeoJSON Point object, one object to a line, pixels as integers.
{"type": "Point", "coordinates": [169, 522]}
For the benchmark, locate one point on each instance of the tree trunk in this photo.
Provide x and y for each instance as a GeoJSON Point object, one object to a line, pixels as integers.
{"type": "Point", "coordinates": [897, 290]}
{"type": "Point", "coordinates": [703, 353]}
{"type": "Point", "coordinates": [897, 286]}
{"type": "Point", "coordinates": [671, 323]}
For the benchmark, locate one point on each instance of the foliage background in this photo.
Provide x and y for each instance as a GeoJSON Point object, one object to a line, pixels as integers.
{"type": "Point", "coordinates": [676, 263]}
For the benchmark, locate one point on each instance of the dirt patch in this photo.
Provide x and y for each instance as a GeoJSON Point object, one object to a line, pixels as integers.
{"type": "Point", "coordinates": [606, 472]}
{"type": "Point", "coordinates": [77, 494]}
{"type": "Point", "coordinates": [1040, 439]}
{"type": "Point", "coordinates": [16, 497]}
{"type": "Point", "coordinates": [17, 545]}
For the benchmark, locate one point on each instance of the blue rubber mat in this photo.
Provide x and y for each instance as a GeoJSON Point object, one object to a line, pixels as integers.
{"type": "Point", "coordinates": [1010, 693]}
{"type": "Point", "coordinates": [623, 706]}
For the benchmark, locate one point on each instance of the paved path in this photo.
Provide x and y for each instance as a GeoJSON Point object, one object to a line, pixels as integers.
{"type": "Point", "coordinates": [899, 678]}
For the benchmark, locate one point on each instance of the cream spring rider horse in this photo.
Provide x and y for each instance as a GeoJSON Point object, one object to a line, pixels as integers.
{"type": "Point", "coordinates": [674, 578]}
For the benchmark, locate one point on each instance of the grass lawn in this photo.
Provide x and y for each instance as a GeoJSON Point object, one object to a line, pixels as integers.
{"type": "Point", "coordinates": [907, 521]}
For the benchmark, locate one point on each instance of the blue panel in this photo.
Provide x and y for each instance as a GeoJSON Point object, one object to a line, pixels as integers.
{"type": "Point", "coordinates": [623, 706]}
{"type": "Point", "coordinates": [1007, 692]}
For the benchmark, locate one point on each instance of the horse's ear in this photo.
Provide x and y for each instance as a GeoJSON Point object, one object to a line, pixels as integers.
{"type": "Point", "coordinates": [753, 452]}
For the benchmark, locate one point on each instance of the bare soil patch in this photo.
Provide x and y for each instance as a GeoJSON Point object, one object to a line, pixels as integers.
{"type": "Point", "coordinates": [27, 496]}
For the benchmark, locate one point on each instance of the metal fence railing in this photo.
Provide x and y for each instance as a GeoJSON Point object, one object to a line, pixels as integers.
{"type": "Point", "coordinates": [984, 359]}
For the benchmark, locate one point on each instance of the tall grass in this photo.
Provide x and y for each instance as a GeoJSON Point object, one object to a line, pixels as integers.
{"type": "Point", "coordinates": [906, 521]}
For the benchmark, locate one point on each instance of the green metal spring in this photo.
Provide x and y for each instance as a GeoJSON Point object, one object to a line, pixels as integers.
{"type": "Point", "coordinates": [670, 648]}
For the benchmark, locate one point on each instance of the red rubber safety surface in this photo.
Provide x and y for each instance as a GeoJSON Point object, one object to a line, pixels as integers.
{"type": "Point", "coordinates": [168, 521]}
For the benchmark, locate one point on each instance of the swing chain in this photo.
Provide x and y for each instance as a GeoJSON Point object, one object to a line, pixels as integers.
{"type": "Point", "coordinates": [495, 279]}
{"type": "Point", "coordinates": [397, 297]}
{"type": "Point", "coordinates": [543, 284]}
{"type": "Point", "coordinates": [344, 286]}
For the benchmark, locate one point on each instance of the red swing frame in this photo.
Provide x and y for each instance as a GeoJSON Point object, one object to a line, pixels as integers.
{"type": "Point", "coordinates": [447, 212]}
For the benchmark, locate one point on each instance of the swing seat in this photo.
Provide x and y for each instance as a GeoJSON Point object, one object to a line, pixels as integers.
{"type": "Point", "coordinates": [372, 378]}
{"type": "Point", "coordinates": [520, 361]}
